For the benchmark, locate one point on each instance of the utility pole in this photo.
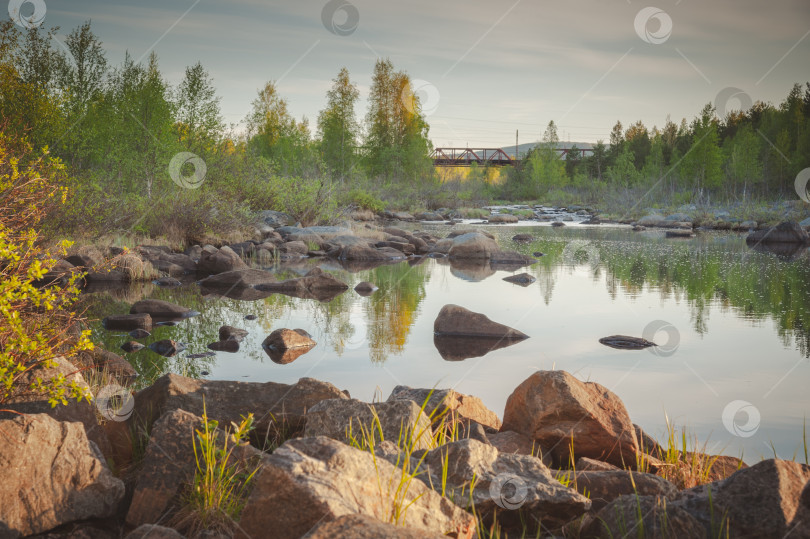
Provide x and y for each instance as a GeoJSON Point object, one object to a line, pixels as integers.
{"type": "Point", "coordinates": [516, 144]}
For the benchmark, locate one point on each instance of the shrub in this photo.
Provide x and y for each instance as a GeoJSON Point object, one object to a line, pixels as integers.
{"type": "Point", "coordinates": [365, 201]}
{"type": "Point", "coordinates": [37, 321]}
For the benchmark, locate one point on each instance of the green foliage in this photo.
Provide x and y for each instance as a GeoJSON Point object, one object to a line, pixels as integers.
{"type": "Point", "coordinates": [221, 481]}
{"type": "Point", "coordinates": [338, 128]}
{"type": "Point", "coordinates": [32, 333]}
{"type": "Point", "coordinates": [365, 200]}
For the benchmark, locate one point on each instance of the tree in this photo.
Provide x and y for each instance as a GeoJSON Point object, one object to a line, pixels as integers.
{"type": "Point", "coordinates": [596, 161]}
{"type": "Point", "coordinates": [702, 164]}
{"type": "Point", "coordinates": [269, 120]}
{"type": "Point", "coordinates": [337, 125]}
{"type": "Point", "coordinates": [623, 171]}
{"type": "Point", "coordinates": [397, 143]}
{"type": "Point", "coordinates": [638, 140]}
{"type": "Point", "coordinates": [199, 121]}
{"type": "Point", "coordinates": [743, 165]}
{"type": "Point", "coordinates": [616, 142]}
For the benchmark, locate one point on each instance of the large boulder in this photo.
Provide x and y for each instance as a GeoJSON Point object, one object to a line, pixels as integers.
{"type": "Point", "coordinates": [456, 321]}
{"type": "Point", "coordinates": [552, 407]}
{"type": "Point", "coordinates": [52, 475]}
{"type": "Point", "coordinates": [24, 401]}
{"type": "Point", "coordinates": [473, 245]}
{"type": "Point", "coordinates": [288, 339]}
{"type": "Point", "coordinates": [316, 284]}
{"type": "Point", "coordinates": [309, 481]}
{"type": "Point", "coordinates": [787, 232]}
{"type": "Point", "coordinates": [316, 234]}
{"type": "Point", "coordinates": [241, 278]}
{"type": "Point", "coordinates": [153, 531]}
{"type": "Point", "coordinates": [346, 419]}
{"type": "Point", "coordinates": [448, 402]}
{"type": "Point", "coordinates": [274, 405]}
{"type": "Point", "coordinates": [356, 526]}
{"type": "Point", "coordinates": [602, 487]}
{"type": "Point", "coordinates": [518, 488]}
{"type": "Point", "coordinates": [128, 322]}
{"type": "Point", "coordinates": [168, 467]}
{"type": "Point", "coordinates": [220, 261]}
{"type": "Point", "coordinates": [642, 516]}
{"type": "Point", "coordinates": [764, 500]}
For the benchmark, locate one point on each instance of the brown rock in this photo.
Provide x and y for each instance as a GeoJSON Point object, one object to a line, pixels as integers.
{"type": "Point", "coordinates": [118, 367]}
{"type": "Point", "coordinates": [273, 404]}
{"type": "Point", "coordinates": [454, 320]}
{"type": "Point", "coordinates": [287, 339]}
{"type": "Point", "coordinates": [760, 501]}
{"type": "Point", "coordinates": [659, 519]}
{"type": "Point", "coordinates": [168, 467]}
{"type": "Point", "coordinates": [230, 332]}
{"type": "Point", "coordinates": [316, 284]}
{"type": "Point", "coordinates": [584, 464]}
{"type": "Point", "coordinates": [128, 322]}
{"type": "Point", "coordinates": [473, 245]}
{"type": "Point", "coordinates": [153, 531]}
{"type": "Point", "coordinates": [447, 402]}
{"type": "Point", "coordinates": [461, 348]}
{"type": "Point", "coordinates": [523, 279]}
{"type": "Point", "coordinates": [623, 342]}
{"type": "Point", "coordinates": [309, 481]}
{"type": "Point", "coordinates": [220, 261]}
{"type": "Point", "coordinates": [241, 278]}
{"type": "Point", "coordinates": [160, 309]}
{"type": "Point", "coordinates": [502, 218]}
{"type": "Point", "coordinates": [52, 474]}
{"type": "Point", "coordinates": [787, 232]}
{"type": "Point", "coordinates": [166, 347]}
{"type": "Point", "coordinates": [341, 419]}
{"type": "Point", "coordinates": [365, 288]}
{"type": "Point", "coordinates": [551, 407]}
{"type": "Point", "coordinates": [602, 487]}
{"type": "Point", "coordinates": [356, 526]}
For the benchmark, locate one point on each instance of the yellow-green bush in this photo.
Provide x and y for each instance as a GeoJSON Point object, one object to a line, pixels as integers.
{"type": "Point", "coordinates": [36, 323]}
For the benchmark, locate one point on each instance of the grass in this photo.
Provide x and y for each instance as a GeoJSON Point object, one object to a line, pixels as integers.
{"type": "Point", "coordinates": [221, 482]}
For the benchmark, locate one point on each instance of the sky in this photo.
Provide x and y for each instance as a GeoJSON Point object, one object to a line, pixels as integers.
{"type": "Point", "coordinates": [481, 69]}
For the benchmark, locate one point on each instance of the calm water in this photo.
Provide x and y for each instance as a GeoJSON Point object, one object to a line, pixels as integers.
{"type": "Point", "coordinates": [735, 330]}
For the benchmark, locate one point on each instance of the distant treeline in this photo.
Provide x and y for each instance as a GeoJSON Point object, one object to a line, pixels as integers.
{"type": "Point", "coordinates": [118, 128]}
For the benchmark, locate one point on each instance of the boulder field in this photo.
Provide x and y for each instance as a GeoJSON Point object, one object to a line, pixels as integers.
{"type": "Point", "coordinates": [564, 460]}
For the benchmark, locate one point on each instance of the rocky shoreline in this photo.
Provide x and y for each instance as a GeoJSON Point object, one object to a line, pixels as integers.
{"type": "Point", "coordinates": [564, 460]}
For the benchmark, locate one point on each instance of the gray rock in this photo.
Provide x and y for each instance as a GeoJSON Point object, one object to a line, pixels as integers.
{"type": "Point", "coordinates": [446, 403]}
{"type": "Point", "coordinates": [456, 321]}
{"type": "Point", "coordinates": [659, 519]}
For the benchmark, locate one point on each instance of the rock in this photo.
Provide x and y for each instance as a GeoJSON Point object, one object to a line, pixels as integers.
{"type": "Point", "coordinates": [522, 279]}
{"type": "Point", "coordinates": [244, 249]}
{"type": "Point", "coordinates": [401, 246]}
{"type": "Point", "coordinates": [275, 219]}
{"type": "Point", "coordinates": [502, 218]}
{"type": "Point", "coordinates": [401, 419]}
{"type": "Point", "coordinates": [760, 501]}
{"type": "Point", "coordinates": [22, 400]}
{"type": "Point", "coordinates": [638, 228]}
{"type": "Point", "coordinates": [680, 233]}
{"type": "Point", "coordinates": [115, 365]}
{"type": "Point", "coordinates": [316, 284]}
{"type": "Point", "coordinates": [602, 487]}
{"type": "Point", "coordinates": [653, 219]}
{"type": "Point", "coordinates": [511, 442]}
{"type": "Point", "coordinates": [251, 317]}
{"type": "Point", "coordinates": [457, 321]}
{"type": "Point", "coordinates": [659, 519]}
{"type": "Point", "coordinates": [330, 480]}
{"type": "Point", "coordinates": [242, 278]}
{"type": "Point", "coordinates": [623, 342]}
{"type": "Point", "coordinates": [786, 232]}
{"type": "Point", "coordinates": [552, 407]}
{"type": "Point", "coordinates": [157, 308]}
{"type": "Point", "coordinates": [132, 346]}
{"type": "Point", "coordinates": [584, 464]}
{"type": "Point", "coordinates": [139, 333]}
{"type": "Point", "coordinates": [288, 339]}
{"type": "Point", "coordinates": [230, 332]}
{"type": "Point", "coordinates": [557, 224]}
{"type": "Point", "coordinates": [752, 225]}
{"type": "Point", "coordinates": [537, 254]}
{"type": "Point", "coordinates": [473, 245]}
{"type": "Point", "coordinates": [225, 345]}
{"type": "Point", "coordinates": [317, 234]}
{"type": "Point", "coordinates": [362, 215]}
{"type": "Point", "coordinates": [365, 288]}
{"type": "Point", "coordinates": [128, 322]}
{"type": "Point", "coordinates": [518, 488]}
{"type": "Point", "coordinates": [52, 475]}
{"type": "Point", "coordinates": [166, 347]}
{"type": "Point", "coordinates": [522, 237]}
{"type": "Point", "coordinates": [647, 444]}
{"type": "Point", "coordinates": [356, 526]}
{"type": "Point", "coordinates": [678, 217]}
{"type": "Point", "coordinates": [220, 261]}
{"type": "Point", "coordinates": [153, 531]}
{"type": "Point", "coordinates": [366, 253]}
{"type": "Point", "coordinates": [294, 248]}
{"type": "Point", "coordinates": [446, 402]}
{"type": "Point", "coordinates": [283, 357]}
{"type": "Point", "coordinates": [168, 467]}
{"type": "Point", "coordinates": [594, 220]}
{"type": "Point", "coordinates": [273, 404]}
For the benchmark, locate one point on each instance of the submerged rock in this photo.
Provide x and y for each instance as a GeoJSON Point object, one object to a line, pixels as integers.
{"type": "Point", "coordinates": [157, 308]}
{"type": "Point", "coordinates": [522, 279]}
{"type": "Point", "coordinates": [139, 333]}
{"type": "Point", "coordinates": [624, 342]}
{"type": "Point", "coordinates": [365, 288]}
{"type": "Point", "coordinates": [140, 321]}
{"type": "Point", "coordinates": [316, 284]}
{"type": "Point", "coordinates": [166, 347]}
{"type": "Point", "coordinates": [132, 346]}
{"type": "Point", "coordinates": [453, 348]}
